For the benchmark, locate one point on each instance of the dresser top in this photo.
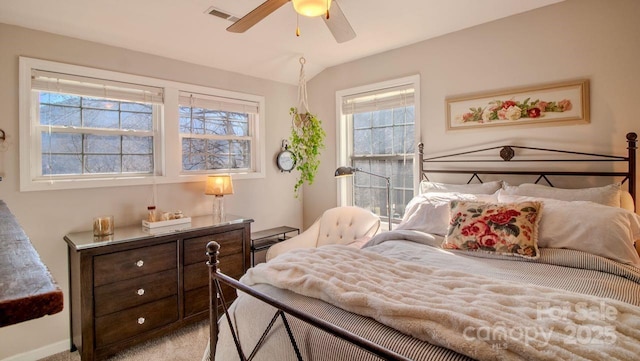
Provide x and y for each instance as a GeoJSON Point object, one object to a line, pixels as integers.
{"type": "Point", "coordinates": [86, 240]}
{"type": "Point", "coordinates": [27, 289]}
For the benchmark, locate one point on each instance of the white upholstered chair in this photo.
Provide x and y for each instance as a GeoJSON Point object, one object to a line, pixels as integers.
{"type": "Point", "coordinates": [340, 225]}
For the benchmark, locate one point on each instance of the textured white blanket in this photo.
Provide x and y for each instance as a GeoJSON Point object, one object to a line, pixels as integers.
{"type": "Point", "coordinates": [480, 317]}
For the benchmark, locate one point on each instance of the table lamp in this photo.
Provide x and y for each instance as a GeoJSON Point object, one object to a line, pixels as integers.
{"type": "Point", "coordinates": [218, 186]}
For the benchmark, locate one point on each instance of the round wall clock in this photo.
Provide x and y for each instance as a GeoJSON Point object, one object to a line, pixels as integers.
{"type": "Point", "coordinates": [284, 160]}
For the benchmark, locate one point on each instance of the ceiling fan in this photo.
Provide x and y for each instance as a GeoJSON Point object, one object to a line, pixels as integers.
{"type": "Point", "coordinates": [328, 9]}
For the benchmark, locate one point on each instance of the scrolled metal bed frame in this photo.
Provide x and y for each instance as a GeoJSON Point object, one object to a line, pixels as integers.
{"type": "Point", "coordinates": [507, 154]}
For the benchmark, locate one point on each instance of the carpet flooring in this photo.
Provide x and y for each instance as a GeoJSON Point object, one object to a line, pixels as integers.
{"type": "Point", "coordinates": [185, 344]}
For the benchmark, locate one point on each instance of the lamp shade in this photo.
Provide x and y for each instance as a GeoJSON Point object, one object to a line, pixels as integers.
{"type": "Point", "coordinates": [311, 7]}
{"type": "Point", "coordinates": [218, 185]}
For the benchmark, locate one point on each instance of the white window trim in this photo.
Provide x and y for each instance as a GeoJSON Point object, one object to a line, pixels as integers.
{"type": "Point", "coordinates": [169, 157]}
{"type": "Point", "coordinates": [344, 141]}
{"type": "Point", "coordinates": [252, 119]}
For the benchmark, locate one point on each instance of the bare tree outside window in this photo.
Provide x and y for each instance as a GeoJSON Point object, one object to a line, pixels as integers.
{"type": "Point", "coordinates": [88, 135]}
{"type": "Point", "coordinates": [108, 128]}
{"type": "Point", "coordinates": [214, 139]}
{"type": "Point", "coordinates": [383, 143]}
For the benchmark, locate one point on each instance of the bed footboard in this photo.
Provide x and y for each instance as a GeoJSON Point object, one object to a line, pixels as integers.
{"type": "Point", "coordinates": [216, 299]}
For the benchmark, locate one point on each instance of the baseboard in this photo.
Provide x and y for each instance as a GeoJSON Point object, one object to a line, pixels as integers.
{"type": "Point", "coordinates": [41, 352]}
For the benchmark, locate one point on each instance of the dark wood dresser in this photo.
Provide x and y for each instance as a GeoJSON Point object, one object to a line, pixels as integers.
{"type": "Point", "coordinates": [136, 284]}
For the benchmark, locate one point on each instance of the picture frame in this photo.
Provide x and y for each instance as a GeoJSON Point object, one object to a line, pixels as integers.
{"type": "Point", "coordinates": [551, 104]}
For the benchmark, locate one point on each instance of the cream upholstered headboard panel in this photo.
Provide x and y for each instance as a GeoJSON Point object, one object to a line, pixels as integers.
{"type": "Point", "coordinates": [626, 201]}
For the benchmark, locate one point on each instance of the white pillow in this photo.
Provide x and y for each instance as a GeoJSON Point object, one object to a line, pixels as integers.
{"type": "Point", "coordinates": [608, 195]}
{"type": "Point", "coordinates": [586, 226]}
{"type": "Point", "coordinates": [429, 212]}
{"type": "Point", "coordinates": [475, 188]}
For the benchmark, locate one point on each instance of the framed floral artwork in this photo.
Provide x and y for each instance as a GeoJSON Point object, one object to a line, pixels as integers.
{"type": "Point", "coordinates": [566, 103]}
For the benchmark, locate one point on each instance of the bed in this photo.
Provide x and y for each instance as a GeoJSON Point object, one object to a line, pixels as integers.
{"type": "Point", "coordinates": [480, 271]}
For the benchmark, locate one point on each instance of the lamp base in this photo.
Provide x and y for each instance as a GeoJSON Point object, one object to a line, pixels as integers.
{"type": "Point", "coordinates": [218, 209]}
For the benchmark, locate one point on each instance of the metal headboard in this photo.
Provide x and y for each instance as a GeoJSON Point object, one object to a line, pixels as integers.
{"type": "Point", "coordinates": [507, 153]}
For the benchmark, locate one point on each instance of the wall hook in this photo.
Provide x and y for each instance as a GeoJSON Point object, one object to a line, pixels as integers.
{"type": "Point", "coordinates": [3, 136]}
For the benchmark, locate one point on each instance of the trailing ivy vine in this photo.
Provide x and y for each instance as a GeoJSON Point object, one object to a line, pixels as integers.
{"type": "Point", "coordinates": [306, 141]}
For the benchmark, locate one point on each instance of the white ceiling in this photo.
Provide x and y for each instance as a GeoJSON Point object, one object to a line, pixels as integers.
{"type": "Point", "coordinates": [180, 29]}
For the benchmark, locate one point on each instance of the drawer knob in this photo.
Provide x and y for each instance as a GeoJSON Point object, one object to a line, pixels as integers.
{"type": "Point", "coordinates": [140, 292]}
{"type": "Point", "coordinates": [140, 263]}
{"type": "Point", "coordinates": [141, 320]}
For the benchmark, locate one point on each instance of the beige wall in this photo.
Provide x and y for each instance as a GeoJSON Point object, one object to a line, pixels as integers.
{"type": "Point", "coordinates": [48, 215]}
{"type": "Point", "coordinates": [592, 39]}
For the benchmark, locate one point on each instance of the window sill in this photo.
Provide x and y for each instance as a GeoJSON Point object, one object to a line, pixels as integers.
{"type": "Point", "coordinates": [45, 184]}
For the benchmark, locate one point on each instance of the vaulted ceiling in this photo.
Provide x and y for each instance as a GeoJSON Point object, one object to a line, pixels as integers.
{"type": "Point", "coordinates": [183, 29]}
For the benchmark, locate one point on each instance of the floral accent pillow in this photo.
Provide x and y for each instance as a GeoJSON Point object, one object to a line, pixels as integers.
{"type": "Point", "coordinates": [503, 228]}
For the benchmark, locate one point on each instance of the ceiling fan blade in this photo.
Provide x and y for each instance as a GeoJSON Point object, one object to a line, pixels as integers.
{"type": "Point", "coordinates": [338, 24]}
{"type": "Point", "coordinates": [257, 14]}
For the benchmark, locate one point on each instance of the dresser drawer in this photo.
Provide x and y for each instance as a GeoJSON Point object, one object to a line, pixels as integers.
{"type": "Point", "coordinates": [197, 300]}
{"type": "Point", "coordinates": [197, 274]}
{"type": "Point", "coordinates": [134, 263]}
{"type": "Point", "coordinates": [134, 321]}
{"type": "Point", "coordinates": [195, 248]}
{"type": "Point", "coordinates": [134, 292]}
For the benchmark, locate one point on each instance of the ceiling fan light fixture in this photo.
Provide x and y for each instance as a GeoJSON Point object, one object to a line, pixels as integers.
{"type": "Point", "coordinates": [311, 8]}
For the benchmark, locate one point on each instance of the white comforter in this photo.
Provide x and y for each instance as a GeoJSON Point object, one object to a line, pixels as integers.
{"type": "Point", "coordinates": [481, 317]}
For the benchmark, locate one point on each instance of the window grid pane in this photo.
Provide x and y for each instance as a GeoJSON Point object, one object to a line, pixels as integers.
{"type": "Point", "coordinates": [388, 136]}
{"type": "Point", "coordinates": [77, 154]}
{"type": "Point", "coordinates": [91, 151]}
{"type": "Point", "coordinates": [370, 192]}
{"type": "Point", "coordinates": [209, 151]}
{"type": "Point", "coordinates": [65, 102]}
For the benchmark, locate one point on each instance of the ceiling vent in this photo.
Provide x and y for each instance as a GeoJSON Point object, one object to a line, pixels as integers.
{"type": "Point", "coordinates": [221, 14]}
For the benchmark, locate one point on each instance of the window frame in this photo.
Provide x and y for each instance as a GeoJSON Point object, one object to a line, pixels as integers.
{"type": "Point", "coordinates": [344, 128]}
{"type": "Point", "coordinates": [252, 128]}
{"type": "Point", "coordinates": [38, 130]}
{"type": "Point", "coordinates": [167, 147]}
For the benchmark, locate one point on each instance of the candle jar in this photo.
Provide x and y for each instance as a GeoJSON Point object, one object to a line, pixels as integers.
{"type": "Point", "coordinates": [103, 226]}
{"type": "Point", "coordinates": [151, 214]}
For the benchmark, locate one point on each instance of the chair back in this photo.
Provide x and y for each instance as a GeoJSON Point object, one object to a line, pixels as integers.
{"type": "Point", "coordinates": [344, 225]}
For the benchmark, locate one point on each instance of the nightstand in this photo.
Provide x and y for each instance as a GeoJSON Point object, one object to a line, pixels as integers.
{"type": "Point", "coordinates": [262, 240]}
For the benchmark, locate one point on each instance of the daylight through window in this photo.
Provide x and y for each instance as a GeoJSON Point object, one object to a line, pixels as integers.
{"type": "Point", "coordinates": [380, 127]}
{"type": "Point", "coordinates": [91, 127]}
{"type": "Point", "coordinates": [216, 133]}
{"type": "Point", "coordinates": [83, 127]}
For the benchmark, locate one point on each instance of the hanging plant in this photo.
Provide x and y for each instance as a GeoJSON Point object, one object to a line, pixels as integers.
{"type": "Point", "coordinates": [307, 136]}
{"type": "Point", "coordinates": [306, 141]}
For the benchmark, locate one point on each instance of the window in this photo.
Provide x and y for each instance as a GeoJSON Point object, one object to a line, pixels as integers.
{"type": "Point", "coordinates": [89, 127]}
{"type": "Point", "coordinates": [216, 133]}
{"type": "Point", "coordinates": [82, 127]}
{"type": "Point", "coordinates": [379, 128]}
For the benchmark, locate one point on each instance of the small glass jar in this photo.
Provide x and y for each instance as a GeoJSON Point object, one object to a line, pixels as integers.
{"type": "Point", "coordinates": [151, 216]}
{"type": "Point", "coordinates": [103, 226]}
